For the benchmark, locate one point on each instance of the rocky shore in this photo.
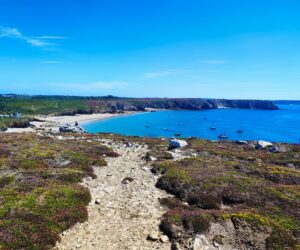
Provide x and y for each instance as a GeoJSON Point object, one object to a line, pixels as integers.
{"type": "Point", "coordinates": [141, 104]}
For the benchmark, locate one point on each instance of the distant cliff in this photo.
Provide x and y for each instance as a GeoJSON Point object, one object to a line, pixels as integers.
{"type": "Point", "coordinates": [140, 104]}
{"type": "Point", "coordinates": [71, 105]}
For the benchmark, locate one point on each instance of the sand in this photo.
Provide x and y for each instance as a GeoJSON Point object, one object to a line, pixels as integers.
{"type": "Point", "coordinates": [79, 118]}
{"type": "Point", "coordinates": [54, 122]}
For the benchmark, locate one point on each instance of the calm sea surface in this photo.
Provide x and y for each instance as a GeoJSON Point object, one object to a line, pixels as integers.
{"type": "Point", "coordinates": [280, 125]}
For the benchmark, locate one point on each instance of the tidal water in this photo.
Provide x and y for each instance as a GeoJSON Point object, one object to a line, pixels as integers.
{"type": "Point", "coordinates": [272, 125]}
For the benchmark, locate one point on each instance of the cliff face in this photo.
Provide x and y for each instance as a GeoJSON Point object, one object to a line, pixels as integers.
{"type": "Point", "coordinates": [114, 105]}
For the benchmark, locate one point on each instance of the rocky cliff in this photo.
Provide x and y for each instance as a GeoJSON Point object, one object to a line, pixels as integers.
{"type": "Point", "coordinates": [126, 104]}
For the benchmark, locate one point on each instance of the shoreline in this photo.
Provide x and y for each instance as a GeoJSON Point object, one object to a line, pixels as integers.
{"type": "Point", "coordinates": [85, 118]}
{"type": "Point", "coordinates": [52, 123]}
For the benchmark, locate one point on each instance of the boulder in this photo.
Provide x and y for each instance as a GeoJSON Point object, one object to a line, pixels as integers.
{"type": "Point", "coordinates": [154, 236]}
{"type": "Point", "coordinates": [274, 149]}
{"type": "Point", "coordinates": [263, 144]}
{"type": "Point", "coordinates": [127, 180]}
{"type": "Point", "coordinates": [70, 129]}
{"type": "Point", "coordinates": [174, 143]}
{"type": "Point", "coordinates": [201, 243]}
{"type": "Point", "coordinates": [164, 238]}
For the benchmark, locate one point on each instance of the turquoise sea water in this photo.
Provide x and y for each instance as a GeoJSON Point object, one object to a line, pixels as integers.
{"type": "Point", "coordinates": [272, 125]}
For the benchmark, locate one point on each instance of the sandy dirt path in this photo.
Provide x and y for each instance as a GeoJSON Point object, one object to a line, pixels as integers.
{"type": "Point", "coordinates": [127, 213]}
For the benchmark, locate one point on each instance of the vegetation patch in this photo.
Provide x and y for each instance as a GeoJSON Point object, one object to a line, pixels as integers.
{"type": "Point", "coordinates": [39, 194]}
{"type": "Point", "coordinates": [227, 181]}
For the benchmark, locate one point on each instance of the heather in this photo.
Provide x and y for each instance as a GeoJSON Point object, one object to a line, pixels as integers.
{"type": "Point", "coordinates": [224, 181]}
{"type": "Point", "coordinates": [39, 192]}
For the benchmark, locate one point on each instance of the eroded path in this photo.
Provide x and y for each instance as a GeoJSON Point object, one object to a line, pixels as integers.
{"type": "Point", "coordinates": [127, 213]}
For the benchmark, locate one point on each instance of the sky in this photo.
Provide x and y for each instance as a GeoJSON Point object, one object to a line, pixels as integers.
{"type": "Point", "coordinates": [151, 48]}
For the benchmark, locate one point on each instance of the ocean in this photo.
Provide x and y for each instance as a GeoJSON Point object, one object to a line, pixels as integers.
{"type": "Point", "coordinates": [271, 125]}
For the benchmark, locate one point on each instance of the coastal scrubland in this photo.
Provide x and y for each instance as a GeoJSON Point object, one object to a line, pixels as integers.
{"type": "Point", "coordinates": [39, 194]}
{"type": "Point", "coordinates": [6, 123]}
{"type": "Point", "coordinates": [233, 195]}
{"type": "Point", "coordinates": [71, 105]}
{"type": "Point", "coordinates": [230, 189]}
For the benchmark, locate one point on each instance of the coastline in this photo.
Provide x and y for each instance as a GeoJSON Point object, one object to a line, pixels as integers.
{"type": "Point", "coordinates": [52, 123]}
{"type": "Point", "coordinates": [81, 118]}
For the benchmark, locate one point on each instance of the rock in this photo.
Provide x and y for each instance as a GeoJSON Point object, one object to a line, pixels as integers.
{"type": "Point", "coordinates": [164, 238]}
{"type": "Point", "coordinates": [154, 236]}
{"type": "Point", "coordinates": [201, 242]}
{"type": "Point", "coordinates": [282, 149]}
{"type": "Point", "coordinates": [64, 163]}
{"type": "Point", "coordinates": [70, 129]}
{"type": "Point", "coordinates": [127, 180]}
{"type": "Point", "coordinates": [263, 144]}
{"type": "Point", "coordinates": [241, 142]}
{"type": "Point", "coordinates": [97, 201]}
{"type": "Point", "coordinates": [149, 157]}
{"type": "Point", "coordinates": [152, 158]}
{"type": "Point", "coordinates": [145, 169]}
{"type": "Point", "coordinates": [274, 149]}
{"type": "Point", "coordinates": [174, 143]}
{"type": "Point", "coordinates": [175, 246]}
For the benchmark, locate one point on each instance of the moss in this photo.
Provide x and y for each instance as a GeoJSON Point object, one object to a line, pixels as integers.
{"type": "Point", "coordinates": [3, 161]}
{"type": "Point", "coordinates": [100, 163]}
{"type": "Point", "coordinates": [283, 171]}
{"type": "Point", "coordinates": [71, 175]}
{"type": "Point", "coordinates": [178, 174]}
{"type": "Point", "coordinates": [29, 164]}
{"type": "Point", "coordinates": [252, 218]}
{"type": "Point", "coordinates": [6, 180]}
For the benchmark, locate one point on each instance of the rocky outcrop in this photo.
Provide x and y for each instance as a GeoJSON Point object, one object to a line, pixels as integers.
{"type": "Point", "coordinates": [139, 104]}
{"type": "Point", "coordinates": [174, 143]}
{"type": "Point", "coordinates": [68, 128]}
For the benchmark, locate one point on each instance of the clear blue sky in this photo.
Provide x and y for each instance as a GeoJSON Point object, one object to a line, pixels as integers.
{"type": "Point", "coordinates": [151, 48]}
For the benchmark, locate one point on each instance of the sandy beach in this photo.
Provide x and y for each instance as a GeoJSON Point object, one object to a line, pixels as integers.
{"type": "Point", "coordinates": [80, 118]}
{"type": "Point", "coordinates": [54, 122]}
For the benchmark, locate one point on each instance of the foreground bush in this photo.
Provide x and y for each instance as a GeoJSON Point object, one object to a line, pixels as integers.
{"type": "Point", "coordinates": [252, 189]}
{"type": "Point", "coordinates": [39, 194]}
